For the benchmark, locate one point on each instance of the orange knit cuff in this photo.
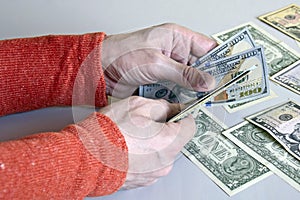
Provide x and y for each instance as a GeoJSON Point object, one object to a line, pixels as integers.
{"type": "Point", "coordinates": [89, 84]}
{"type": "Point", "coordinates": [104, 144]}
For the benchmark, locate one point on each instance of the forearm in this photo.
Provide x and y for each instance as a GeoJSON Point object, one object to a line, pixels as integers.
{"type": "Point", "coordinates": [89, 158]}
{"type": "Point", "coordinates": [42, 71]}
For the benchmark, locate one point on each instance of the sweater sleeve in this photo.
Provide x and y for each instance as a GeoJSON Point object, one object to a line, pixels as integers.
{"type": "Point", "coordinates": [51, 71]}
{"type": "Point", "coordinates": [86, 158]}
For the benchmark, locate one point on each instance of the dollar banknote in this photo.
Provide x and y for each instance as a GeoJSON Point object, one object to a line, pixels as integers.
{"type": "Point", "coordinates": [174, 93]}
{"type": "Point", "coordinates": [283, 123]}
{"type": "Point", "coordinates": [166, 90]}
{"type": "Point", "coordinates": [238, 43]}
{"type": "Point", "coordinates": [231, 108]}
{"type": "Point", "coordinates": [289, 77]}
{"type": "Point", "coordinates": [254, 86]}
{"type": "Point", "coordinates": [230, 167]}
{"type": "Point", "coordinates": [169, 91]}
{"type": "Point", "coordinates": [286, 19]}
{"type": "Point", "coordinates": [263, 147]}
{"type": "Point", "coordinates": [278, 54]}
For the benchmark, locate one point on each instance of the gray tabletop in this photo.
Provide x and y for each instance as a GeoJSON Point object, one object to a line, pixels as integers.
{"type": "Point", "coordinates": [186, 181]}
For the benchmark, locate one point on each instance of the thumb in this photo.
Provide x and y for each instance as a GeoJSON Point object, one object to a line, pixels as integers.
{"type": "Point", "coordinates": [183, 75]}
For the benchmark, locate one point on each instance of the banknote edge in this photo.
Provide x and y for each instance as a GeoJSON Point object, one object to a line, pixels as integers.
{"type": "Point", "coordinates": [251, 103]}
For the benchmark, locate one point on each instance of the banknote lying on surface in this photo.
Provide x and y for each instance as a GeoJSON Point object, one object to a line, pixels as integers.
{"type": "Point", "coordinates": [283, 123]}
{"type": "Point", "coordinates": [225, 62]}
{"type": "Point", "coordinates": [289, 77]}
{"type": "Point", "coordinates": [230, 167]}
{"type": "Point", "coordinates": [286, 19]}
{"type": "Point", "coordinates": [263, 147]}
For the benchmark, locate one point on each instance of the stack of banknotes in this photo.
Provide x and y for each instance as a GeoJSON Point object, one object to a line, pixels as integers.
{"type": "Point", "coordinates": [225, 62]}
{"type": "Point", "coordinates": [267, 142]}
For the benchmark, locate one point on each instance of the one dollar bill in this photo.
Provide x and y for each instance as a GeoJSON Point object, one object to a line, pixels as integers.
{"type": "Point", "coordinates": [263, 147]}
{"type": "Point", "coordinates": [283, 123]}
{"type": "Point", "coordinates": [230, 167]}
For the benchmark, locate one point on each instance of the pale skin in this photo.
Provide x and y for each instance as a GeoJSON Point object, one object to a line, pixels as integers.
{"type": "Point", "coordinates": [162, 52]}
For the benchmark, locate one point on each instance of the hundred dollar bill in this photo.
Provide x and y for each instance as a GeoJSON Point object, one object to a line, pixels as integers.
{"type": "Point", "coordinates": [286, 19]}
{"type": "Point", "coordinates": [174, 93]}
{"type": "Point", "coordinates": [289, 77]}
{"type": "Point", "coordinates": [194, 104]}
{"type": "Point", "coordinates": [238, 43]}
{"type": "Point", "coordinates": [166, 90]}
{"type": "Point", "coordinates": [254, 86]}
{"type": "Point", "coordinates": [278, 54]}
{"type": "Point", "coordinates": [263, 147]}
{"type": "Point", "coordinates": [230, 167]}
{"type": "Point", "coordinates": [283, 123]}
{"type": "Point", "coordinates": [231, 108]}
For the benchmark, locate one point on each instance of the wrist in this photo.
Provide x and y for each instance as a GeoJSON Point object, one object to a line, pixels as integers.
{"type": "Point", "coordinates": [106, 153]}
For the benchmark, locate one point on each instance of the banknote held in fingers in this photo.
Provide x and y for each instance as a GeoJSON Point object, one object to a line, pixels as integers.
{"type": "Point", "coordinates": [225, 62]}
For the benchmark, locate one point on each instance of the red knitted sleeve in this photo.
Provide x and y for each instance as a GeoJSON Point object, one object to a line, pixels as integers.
{"type": "Point", "coordinates": [86, 158]}
{"type": "Point", "coordinates": [50, 71]}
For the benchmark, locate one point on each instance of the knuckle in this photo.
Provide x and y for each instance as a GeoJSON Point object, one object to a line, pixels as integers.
{"type": "Point", "coordinates": [170, 24]}
{"type": "Point", "coordinates": [136, 101]}
{"type": "Point", "coordinates": [188, 75]}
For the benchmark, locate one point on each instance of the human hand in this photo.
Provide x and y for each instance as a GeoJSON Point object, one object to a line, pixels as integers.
{"type": "Point", "coordinates": [152, 143]}
{"type": "Point", "coordinates": [157, 53]}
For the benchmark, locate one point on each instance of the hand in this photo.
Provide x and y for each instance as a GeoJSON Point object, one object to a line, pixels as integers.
{"type": "Point", "coordinates": [152, 143]}
{"type": "Point", "coordinates": [158, 53]}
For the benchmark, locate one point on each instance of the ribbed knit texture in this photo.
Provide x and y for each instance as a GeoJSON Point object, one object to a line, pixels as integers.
{"type": "Point", "coordinates": [87, 158]}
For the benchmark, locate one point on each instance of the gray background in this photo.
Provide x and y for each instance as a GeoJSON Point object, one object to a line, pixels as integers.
{"type": "Point", "coordinates": [19, 18]}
